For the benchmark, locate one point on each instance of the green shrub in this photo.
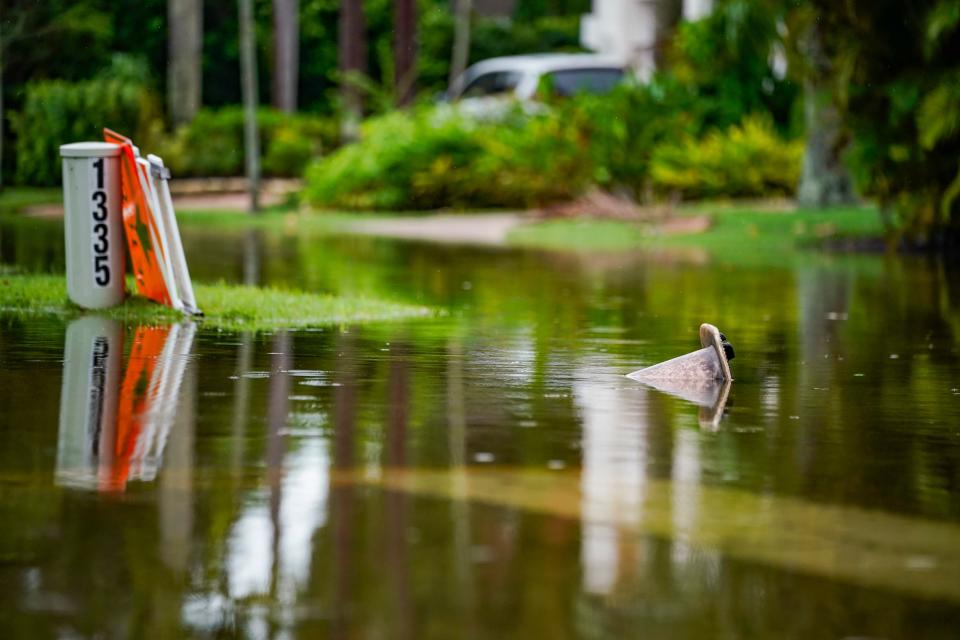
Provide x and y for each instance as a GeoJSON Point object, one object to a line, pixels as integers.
{"type": "Point", "coordinates": [58, 112]}
{"type": "Point", "coordinates": [532, 161]}
{"type": "Point", "coordinates": [635, 137]}
{"type": "Point", "coordinates": [900, 105]}
{"type": "Point", "coordinates": [744, 160]}
{"type": "Point", "coordinates": [434, 158]}
{"type": "Point", "coordinates": [212, 143]}
{"type": "Point", "coordinates": [402, 162]}
{"type": "Point", "coordinates": [621, 129]}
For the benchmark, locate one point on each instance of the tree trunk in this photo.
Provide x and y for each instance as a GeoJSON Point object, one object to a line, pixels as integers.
{"type": "Point", "coordinates": [825, 180]}
{"type": "Point", "coordinates": [405, 49]}
{"type": "Point", "coordinates": [248, 85]}
{"type": "Point", "coordinates": [461, 39]}
{"type": "Point", "coordinates": [184, 59]}
{"type": "Point", "coordinates": [2, 115]}
{"type": "Point", "coordinates": [286, 54]}
{"type": "Point", "coordinates": [352, 50]}
{"type": "Point", "coordinates": [668, 14]}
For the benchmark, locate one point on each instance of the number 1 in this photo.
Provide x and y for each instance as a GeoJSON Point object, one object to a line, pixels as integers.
{"type": "Point", "coordinates": [98, 164]}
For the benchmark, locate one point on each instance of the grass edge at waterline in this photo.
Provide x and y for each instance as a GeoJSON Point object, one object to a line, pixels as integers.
{"type": "Point", "coordinates": [225, 306]}
{"type": "Point", "coordinates": [735, 233]}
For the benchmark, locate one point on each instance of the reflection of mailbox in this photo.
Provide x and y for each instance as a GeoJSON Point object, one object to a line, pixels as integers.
{"type": "Point", "coordinates": [92, 359]}
{"type": "Point", "coordinates": [93, 224]}
{"type": "Point", "coordinates": [112, 431]}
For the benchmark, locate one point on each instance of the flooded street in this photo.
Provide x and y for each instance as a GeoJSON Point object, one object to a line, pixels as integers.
{"type": "Point", "coordinates": [490, 470]}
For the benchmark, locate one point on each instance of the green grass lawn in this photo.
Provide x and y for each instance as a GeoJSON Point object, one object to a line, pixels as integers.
{"type": "Point", "coordinates": [742, 233]}
{"type": "Point", "coordinates": [274, 217]}
{"type": "Point", "coordinates": [15, 198]}
{"type": "Point", "coordinates": [739, 232]}
{"type": "Point", "coordinates": [736, 233]}
{"type": "Point", "coordinates": [580, 234]}
{"type": "Point", "coordinates": [228, 307]}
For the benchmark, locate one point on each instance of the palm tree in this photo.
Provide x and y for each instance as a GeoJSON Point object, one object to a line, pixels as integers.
{"type": "Point", "coordinates": [825, 180]}
{"type": "Point", "coordinates": [184, 58]}
{"type": "Point", "coordinates": [405, 49]}
{"type": "Point", "coordinates": [286, 54]}
{"type": "Point", "coordinates": [461, 39]}
{"type": "Point", "coordinates": [353, 53]}
{"type": "Point", "coordinates": [248, 85]}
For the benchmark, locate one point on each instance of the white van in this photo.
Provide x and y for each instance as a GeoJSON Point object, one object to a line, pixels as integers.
{"type": "Point", "coordinates": [518, 77]}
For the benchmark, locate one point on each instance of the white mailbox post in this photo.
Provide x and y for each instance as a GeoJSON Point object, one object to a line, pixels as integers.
{"type": "Point", "coordinates": [93, 224]}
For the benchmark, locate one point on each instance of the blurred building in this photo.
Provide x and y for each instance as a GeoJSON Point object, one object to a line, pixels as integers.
{"type": "Point", "coordinates": [635, 30]}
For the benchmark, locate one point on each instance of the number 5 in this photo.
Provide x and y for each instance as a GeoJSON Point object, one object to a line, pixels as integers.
{"type": "Point", "coordinates": [101, 270]}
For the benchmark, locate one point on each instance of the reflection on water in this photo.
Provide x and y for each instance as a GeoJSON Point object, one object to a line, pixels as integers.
{"type": "Point", "coordinates": [88, 402]}
{"type": "Point", "coordinates": [114, 430]}
{"type": "Point", "coordinates": [492, 473]}
{"type": "Point", "coordinates": [710, 395]}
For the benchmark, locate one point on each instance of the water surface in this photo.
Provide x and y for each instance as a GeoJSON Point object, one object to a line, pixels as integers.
{"type": "Point", "coordinates": [490, 472]}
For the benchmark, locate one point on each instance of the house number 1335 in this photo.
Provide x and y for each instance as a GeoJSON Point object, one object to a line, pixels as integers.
{"type": "Point", "coordinates": [101, 241]}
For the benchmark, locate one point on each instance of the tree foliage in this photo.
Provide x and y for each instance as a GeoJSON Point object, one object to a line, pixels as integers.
{"type": "Point", "coordinates": [898, 86]}
{"type": "Point", "coordinates": [56, 111]}
{"type": "Point", "coordinates": [638, 139]}
{"type": "Point", "coordinates": [729, 60]}
{"type": "Point", "coordinates": [746, 160]}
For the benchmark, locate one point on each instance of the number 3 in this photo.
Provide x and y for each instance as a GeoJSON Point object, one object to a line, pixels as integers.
{"type": "Point", "coordinates": [100, 199]}
{"type": "Point", "coordinates": [102, 244]}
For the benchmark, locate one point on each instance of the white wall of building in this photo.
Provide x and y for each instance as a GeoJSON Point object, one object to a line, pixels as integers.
{"type": "Point", "coordinates": [696, 9]}
{"type": "Point", "coordinates": [627, 29]}
{"type": "Point", "coordinates": [622, 28]}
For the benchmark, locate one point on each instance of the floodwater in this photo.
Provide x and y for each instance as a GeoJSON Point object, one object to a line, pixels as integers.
{"type": "Point", "coordinates": [489, 473]}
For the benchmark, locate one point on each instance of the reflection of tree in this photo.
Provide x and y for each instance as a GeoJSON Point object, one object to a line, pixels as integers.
{"type": "Point", "coordinates": [342, 493]}
{"type": "Point", "coordinates": [176, 491]}
{"type": "Point", "coordinates": [278, 408]}
{"type": "Point", "coordinates": [241, 391]}
{"type": "Point", "coordinates": [460, 512]}
{"type": "Point", "coordinates": [823, 299]}
{"type": "Point", "coordinates": [397, 501]}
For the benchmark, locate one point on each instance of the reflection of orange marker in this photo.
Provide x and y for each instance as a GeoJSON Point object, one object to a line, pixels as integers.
{"type": "Point", "coordinates": [135, 399]}
{"type": "Point", "coordinates": [144, 238]}
{"type": "Point", "coordinates": [112, 431]}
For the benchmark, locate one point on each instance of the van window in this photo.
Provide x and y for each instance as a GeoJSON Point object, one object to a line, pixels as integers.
{"type": "Point", "coordinates": [571, 81]}
{"type": "Point", "coordinates": [492, 83]}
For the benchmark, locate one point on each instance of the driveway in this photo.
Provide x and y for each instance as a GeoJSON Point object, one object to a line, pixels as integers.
{"type": "Point", "coordinates": [489, 229]}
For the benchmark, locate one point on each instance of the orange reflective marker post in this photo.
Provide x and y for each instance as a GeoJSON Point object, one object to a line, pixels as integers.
{"type": "Point", "coordinates": [144, 239]}
{"type": "Point", "coordinates": [135, 397]}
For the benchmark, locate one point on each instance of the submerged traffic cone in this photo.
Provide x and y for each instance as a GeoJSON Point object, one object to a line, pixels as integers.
{"type": "Point", "coordinates": [701, 377]}
{"type": "Point", "coordinates": [709, 363]}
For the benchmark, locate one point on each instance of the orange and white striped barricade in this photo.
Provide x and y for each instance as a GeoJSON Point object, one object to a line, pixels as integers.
{"type": "Point", "coordinates": [153, 237]}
